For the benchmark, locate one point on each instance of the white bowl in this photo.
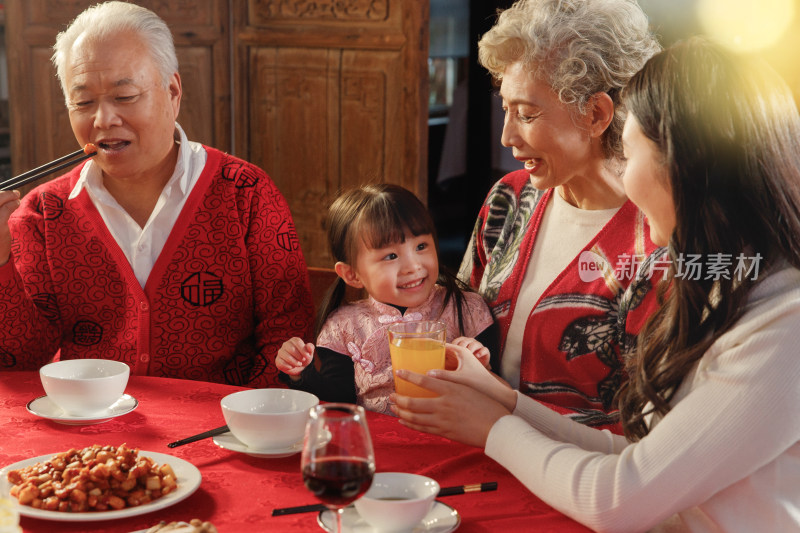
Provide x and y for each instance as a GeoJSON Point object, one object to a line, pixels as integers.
{"type": "Point", "coordinates": [397, 501]}
{"type": "Point", "coordinates": [84, 387]}
{"type": "Point", "coordinates": [268, 419]}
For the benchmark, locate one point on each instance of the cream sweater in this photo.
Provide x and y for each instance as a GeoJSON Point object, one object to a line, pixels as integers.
{"type": "Point", "coordinates": [725, 458]}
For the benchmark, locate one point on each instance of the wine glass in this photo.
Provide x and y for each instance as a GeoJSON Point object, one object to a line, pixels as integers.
{"type": "Point", "coordinates": [337, 461]}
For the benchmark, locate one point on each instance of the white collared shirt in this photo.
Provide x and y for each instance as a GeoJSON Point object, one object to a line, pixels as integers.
{"type": "Point", "coordinates": [143, 245]}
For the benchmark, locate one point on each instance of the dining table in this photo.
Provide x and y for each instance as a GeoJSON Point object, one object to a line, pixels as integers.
{"type": "Point", "coordinates": [237, 492]}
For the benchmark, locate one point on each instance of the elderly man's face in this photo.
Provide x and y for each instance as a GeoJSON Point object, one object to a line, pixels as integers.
{"type": "Point", "coordinates": [117, 100]}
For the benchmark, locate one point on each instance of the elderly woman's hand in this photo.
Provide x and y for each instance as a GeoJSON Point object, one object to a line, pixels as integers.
{"type": "Point", "coordinates": [470, 401]}
{"type": "Point", "coordinates": [9, 201]}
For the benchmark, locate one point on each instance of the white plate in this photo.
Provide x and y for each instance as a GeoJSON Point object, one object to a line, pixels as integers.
{"type": "Point", "coordinates": [188, 481]}
{"type": "Point", "coordinates": [44, 407]}
{"type": "Point", "coordinates": [441, 519]}
{"type": "Point", "coordinates": [229, 442]}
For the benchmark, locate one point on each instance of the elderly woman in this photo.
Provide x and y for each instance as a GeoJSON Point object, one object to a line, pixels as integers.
{"type": "Point", "coordinates": [557, 243]}
{"type": "Point", "coordinates": [173, 257]}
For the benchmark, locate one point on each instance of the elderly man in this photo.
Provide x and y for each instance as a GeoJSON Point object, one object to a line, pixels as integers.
{"type": "Point", "coordinates": [173, 257]}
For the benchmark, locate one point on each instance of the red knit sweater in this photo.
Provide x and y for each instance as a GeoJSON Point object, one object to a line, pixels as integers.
{"type": "Point", "coordinates": [577, 333]}
{"type": "Point", "coordinates": [229, 287]}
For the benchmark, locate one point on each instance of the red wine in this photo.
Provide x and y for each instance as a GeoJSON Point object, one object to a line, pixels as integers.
{"type": "Point", "coordinates": [338, 481]}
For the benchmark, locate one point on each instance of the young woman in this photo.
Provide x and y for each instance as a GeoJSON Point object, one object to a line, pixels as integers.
{"type": "Point", "coordinates": [712, 409]}
{"type": "Point", "coordinates": [384, 242]}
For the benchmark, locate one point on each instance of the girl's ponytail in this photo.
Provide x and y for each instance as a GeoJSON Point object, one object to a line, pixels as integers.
{"type": "Point", "coordinates": [333, 299]}
{"type": "Point", "coordinates": [454, 290]}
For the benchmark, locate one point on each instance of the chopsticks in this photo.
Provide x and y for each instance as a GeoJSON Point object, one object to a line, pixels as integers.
{"type": "Point", "coordinates": [446, 491]}
{"type": "Point", "coordinates": [200, 436]}
{"type": "Point", "coordinates": [77, 156]}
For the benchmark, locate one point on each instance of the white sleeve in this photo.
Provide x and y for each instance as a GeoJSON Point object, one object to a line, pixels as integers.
{"type": "Point", "coordinates": [563, 428]}
{"type": "Point", "coordinates": [741, 409]}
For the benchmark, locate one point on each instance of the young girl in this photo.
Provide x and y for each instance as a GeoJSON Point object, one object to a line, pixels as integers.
{"type": "Point", "coordinates": [384, 242]}
{"type": "Point", "coordinates": [711, 411]}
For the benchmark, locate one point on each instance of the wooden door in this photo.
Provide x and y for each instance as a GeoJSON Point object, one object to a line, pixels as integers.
{"type": "Point", "coordinates": [39, 123]}
{"type": "Point", "coordinates": [331, 94]}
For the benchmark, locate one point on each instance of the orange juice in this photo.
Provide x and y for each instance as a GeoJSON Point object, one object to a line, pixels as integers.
{"type": "Point", "coordinates": [417, 355]}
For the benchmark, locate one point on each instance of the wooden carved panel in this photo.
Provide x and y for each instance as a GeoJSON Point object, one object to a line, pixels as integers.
{"type": "Point", "coordinates": [196, 66]}
{"type": "Point", "coordinates": [363, 138]}
{"type": "Point", "coordinates": [342, 10]}
{"type": "Point", "coordinates": [333, 94]}
{"type": "Point", "coordinates": [290, 114]}
{"type": "Point", "coordinates": [61, 12]}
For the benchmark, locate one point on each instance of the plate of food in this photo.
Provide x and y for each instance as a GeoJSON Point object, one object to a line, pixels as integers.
{"type": "Point", "coordinates": [98, 483]}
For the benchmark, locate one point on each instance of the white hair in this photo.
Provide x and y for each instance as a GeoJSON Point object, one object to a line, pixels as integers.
{"type": "Point", "coordinates": [578, 47]}
{"type": "Point", "coordinates": [115, 17]}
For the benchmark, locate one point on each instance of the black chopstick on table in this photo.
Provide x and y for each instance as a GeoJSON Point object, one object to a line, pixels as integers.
{"type": "Point", "coordinates": [446, 491]}
{"type": "Point", "coordinates": [200, 436]}
{"type": "Point", "coordinates": [53, 166]}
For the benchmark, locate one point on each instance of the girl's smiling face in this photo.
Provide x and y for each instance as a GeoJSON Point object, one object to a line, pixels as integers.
{"type": "Point", "coordinates": [646, 181]}
{"type": "Point", "coordinates": [401, 273]}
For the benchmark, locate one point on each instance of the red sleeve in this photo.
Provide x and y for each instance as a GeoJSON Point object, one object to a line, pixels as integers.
{"type": "Point", "coordinates": [30, 333]}
{"type": "Point", "coordinates": [282, 292]}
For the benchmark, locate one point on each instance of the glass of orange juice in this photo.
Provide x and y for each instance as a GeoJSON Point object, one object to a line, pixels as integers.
{"type": "Point", "coordinates": [417, 346]}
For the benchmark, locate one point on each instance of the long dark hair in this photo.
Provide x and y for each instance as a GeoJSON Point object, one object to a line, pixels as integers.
{"type": "Point", "coordinates": [728, 130]}
{"type": "Point", "coordinates": [380, 214]}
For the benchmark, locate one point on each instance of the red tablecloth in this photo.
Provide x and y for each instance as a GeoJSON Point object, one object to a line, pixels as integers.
{"type": "Point", "coordinates": [238, 492]}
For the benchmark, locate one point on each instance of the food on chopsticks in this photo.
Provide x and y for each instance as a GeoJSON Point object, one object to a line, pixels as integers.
{"type": "Point", "coordinates": [96, 478]}
{"type": "Point", "coordinates": [89, 150]}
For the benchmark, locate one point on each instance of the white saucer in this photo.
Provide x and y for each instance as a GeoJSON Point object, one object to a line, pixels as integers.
{"type": "Point", "coordinates": [229, 442]}
{"type": "Point", "coordinates": [44, 407]}
{"type": "Point", "coordinates": [441, 519]}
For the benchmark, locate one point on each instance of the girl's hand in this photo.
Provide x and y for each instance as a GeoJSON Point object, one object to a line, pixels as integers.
{"type": "Point", "coordinates": [9, 202]}
{"type": "Point", "coordinates": [469, 371]}
{"type": "Point", "coordinates": [294, 356]}
{"type": "Point", "coordinates": [479, 350]}
{"type": "Point", "coordinates": [445, 414]}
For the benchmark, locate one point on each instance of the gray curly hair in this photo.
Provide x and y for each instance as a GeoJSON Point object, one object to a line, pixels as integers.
{"type": "Point", "coordinates": [579, 47]}
{"type": "Point", "coordinates": [109, 18]}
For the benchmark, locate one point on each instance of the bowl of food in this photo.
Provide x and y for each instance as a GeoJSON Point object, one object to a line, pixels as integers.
{"type": "Point", "coordinates": [84, 387]}
{"type": "Point", "coordinates": [397, 501]}
{"type": "Point", "coordinates": [268, 419]}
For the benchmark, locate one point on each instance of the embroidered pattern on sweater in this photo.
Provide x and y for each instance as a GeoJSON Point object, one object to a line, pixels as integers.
{"type": "Point", "coordinates": [506, 220]}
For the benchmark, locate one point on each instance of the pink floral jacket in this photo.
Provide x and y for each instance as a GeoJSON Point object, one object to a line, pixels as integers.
{"type": "Point", "coordinates": [359, 330]}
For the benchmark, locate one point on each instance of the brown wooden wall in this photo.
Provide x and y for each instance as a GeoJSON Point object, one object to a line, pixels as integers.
{"type": "Point", "coordinates": [323, 95]}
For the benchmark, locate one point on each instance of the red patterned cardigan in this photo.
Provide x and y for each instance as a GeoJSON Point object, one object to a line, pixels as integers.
{"type": "Point", "coordinates": [575, 337]}
{"type": "Point", "coordinates": [229, 287]}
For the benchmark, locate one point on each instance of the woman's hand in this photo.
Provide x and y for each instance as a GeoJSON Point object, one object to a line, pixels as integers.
{"type": "Point", "coordinates": [478, 350]}
{"type": "Point", "coordinates": [470, 401]}
{"type": "Point", "coordinates": [9, 202]}
{"type": "Point", "coordinates": [460, 412]}
{"type": "Point", "coordinates": [294, 356]}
